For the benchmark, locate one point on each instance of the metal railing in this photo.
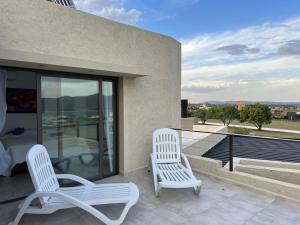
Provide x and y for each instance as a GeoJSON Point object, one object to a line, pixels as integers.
{"type": "Point", "coordinates": [247, 146]}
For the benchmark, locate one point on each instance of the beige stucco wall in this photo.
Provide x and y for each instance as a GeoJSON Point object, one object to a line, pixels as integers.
{"type": "Point", "coordinates": [39, 34]}
{"type": "Point", "coordinates": [188, 123]}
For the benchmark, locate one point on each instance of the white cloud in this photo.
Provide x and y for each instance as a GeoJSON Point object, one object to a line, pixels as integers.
{"type": "Point", "coordinates": [266, 37]}
{"type": "Point", "coordinates": [110, 9]}
{"type": "Point", "coordinates": [264, 90]}
{"type": "Point", "coordinates": [120, 14]}
{"type": "Point", "coordinates": [242, 69]}
{"type": "Point", "coordinates": [206, 86]}
{"type": "Point", "coordinates": [260, 56]}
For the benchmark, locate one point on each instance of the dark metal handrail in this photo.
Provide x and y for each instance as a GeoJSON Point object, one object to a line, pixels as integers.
{"type": "Point", "coordinates": [231, 137]}
{"type": "Point", "coordinates": [239, 135]}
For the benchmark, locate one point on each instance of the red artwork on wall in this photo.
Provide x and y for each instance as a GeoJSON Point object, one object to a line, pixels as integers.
{"type": "Point", "coordinates": [21, 100]}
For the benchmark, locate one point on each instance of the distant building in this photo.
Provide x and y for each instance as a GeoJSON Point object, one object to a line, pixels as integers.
{"type": "Point", "coordinates": [278, 113]}
{"type": "Point", "coordinates": [239, 106]}
{"type": "Point", "coordinates": [294, 116]}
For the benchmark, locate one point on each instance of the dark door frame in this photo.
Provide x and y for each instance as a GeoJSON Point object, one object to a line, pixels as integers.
{"type": "Point", "coordinates": [100, 79]}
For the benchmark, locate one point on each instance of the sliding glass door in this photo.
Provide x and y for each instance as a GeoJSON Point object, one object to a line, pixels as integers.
{"type": "Point", "coordinates": [73, 115]}
{"type": "Point", "coordinates": [78, 125]}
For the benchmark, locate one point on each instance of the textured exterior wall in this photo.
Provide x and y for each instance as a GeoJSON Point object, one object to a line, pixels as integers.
{"type": "Point", "coordinates": [40, 34]}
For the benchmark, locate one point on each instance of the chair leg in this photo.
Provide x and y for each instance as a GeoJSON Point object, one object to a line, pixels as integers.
{"type": "Point", "coordinates": [197, 190]}
{"type": "Point", "coordinates": [123, 214]}
{"type": "Point", "coordinates": [157, 194]}
{"type": "Point", "coordinates": [22, 208]}
{"type": "Point", "coordinates": [149, 166]}
{"type": "Point", "coordinates": [93, 211]}
{"type": "Point", "coordinates": [157, 190]}
{"type": "Point", "coordinates": [102, 217]}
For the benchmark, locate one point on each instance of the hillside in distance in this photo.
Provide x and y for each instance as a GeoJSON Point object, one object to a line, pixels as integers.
{"type": "Point", "coordinates": [270, 103]}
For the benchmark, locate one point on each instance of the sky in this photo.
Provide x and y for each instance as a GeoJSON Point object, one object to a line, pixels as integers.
{"type": "Point", "coordinates": [231, 49]}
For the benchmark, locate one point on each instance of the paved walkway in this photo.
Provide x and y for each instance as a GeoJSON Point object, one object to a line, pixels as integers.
{"type": "Point", "coordinates": [264, 128]}
{"type": "Point", "coordinates": [199, 147]}
{"type": "Point", "coordinates": [197, 143]}
{"type": "Point", "coordinates": [220, 203]}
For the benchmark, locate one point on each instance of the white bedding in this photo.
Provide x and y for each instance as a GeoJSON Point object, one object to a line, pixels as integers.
{"type": "Point", "coordinates": [18, 145]}
{"type": "Point", "coordinates": [5, 160]}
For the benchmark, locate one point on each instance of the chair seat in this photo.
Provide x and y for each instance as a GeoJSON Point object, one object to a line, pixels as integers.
{"type": "Point", "coordinates": [99, 194]}
{"type": "Point", "coordinates": [52, 197]}
{"type": "Point", "coordinates": [175, 175]}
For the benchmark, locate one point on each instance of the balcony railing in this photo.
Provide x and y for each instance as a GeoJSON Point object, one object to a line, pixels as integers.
{"type": "Point", "coordinates": [226, 146]}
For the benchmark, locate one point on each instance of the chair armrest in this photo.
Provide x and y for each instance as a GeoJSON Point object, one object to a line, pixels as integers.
{"type": "Point", "coordinates": [154, 170]}
{"type": "Point", "coordinates": [75, 178]}
{"type": "Point", "coordinates": [155, 174]}
{"type": "Point", "coordinates": [186, 162]}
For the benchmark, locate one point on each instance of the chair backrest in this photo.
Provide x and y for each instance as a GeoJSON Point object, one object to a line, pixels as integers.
{"type": "Point", "coordinates": [166, 147]}
{"type": "Point", "coordinates": [41, 171]}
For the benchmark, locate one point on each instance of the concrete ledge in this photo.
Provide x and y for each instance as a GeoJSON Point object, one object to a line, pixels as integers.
{"type": "Point", "coordinates": [267, 185]}
{"type": "Point", "coordinates": [188, 123]}
{"type": "Point", "coordinates": [281, 174]}
{"type": "Point", "coordinates": [268, 163]}
{"type": "Point", "coordinates": [22, 59]}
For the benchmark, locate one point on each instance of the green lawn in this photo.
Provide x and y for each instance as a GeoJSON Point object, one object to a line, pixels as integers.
{"type": "Point", "coordinates": [279, 124]}
{"type": "Point", "coordinates": [275, 134]}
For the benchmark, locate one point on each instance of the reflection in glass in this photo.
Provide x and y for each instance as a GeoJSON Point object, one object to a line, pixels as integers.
{"type": "Point", "coordinates": [70, 123]}
{"type": "Point", "coordinates": [108, 120]}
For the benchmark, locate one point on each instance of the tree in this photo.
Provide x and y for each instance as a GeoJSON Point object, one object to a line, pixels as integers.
{"type": "Point", "coordinates": [226, 114]}
{"type": "Point", "coordinates": [257, 114]}
{"type": "Point", "coordinates": [201, 114]}
{"type": "Point", "coordinates": [244, 114]}
{"type": "Point", "coordinates": [191, 111]}
{"type": "Point", "coordinates": [213, 111]}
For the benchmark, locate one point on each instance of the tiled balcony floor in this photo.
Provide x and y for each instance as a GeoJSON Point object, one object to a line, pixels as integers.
{"type": "Point", "coordinates": [220, 203]}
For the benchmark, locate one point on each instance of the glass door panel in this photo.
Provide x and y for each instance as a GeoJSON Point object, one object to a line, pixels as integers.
{"type": "Point", "coordinates": [109, 158]}
{"type": "Point", "coordinates": [70, 125]}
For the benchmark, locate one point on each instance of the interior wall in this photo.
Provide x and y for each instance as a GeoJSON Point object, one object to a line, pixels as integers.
{"type": "Point", "coordinates": [22, 80]}
{"type": "Point", "coordinates": [26, 120]}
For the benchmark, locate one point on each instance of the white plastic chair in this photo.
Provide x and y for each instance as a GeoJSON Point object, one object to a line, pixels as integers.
{"type": "Point", "coordinates": [170, 167]}
{"type": "Point", "coordinates": [53, 197]}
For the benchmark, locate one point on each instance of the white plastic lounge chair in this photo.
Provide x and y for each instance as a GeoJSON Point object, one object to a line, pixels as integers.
{"type": "Point", "coordinates": [52, 197]}
{"type": "Point", "coordinates": [171, 168]}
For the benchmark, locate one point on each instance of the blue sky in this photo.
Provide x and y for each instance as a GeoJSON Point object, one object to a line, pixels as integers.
{"type": "Point", "coordinates": [231, 49]}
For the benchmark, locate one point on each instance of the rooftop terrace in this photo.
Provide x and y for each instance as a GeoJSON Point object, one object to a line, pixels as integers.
{"type": "Point", "coordinates": [220, 203]}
